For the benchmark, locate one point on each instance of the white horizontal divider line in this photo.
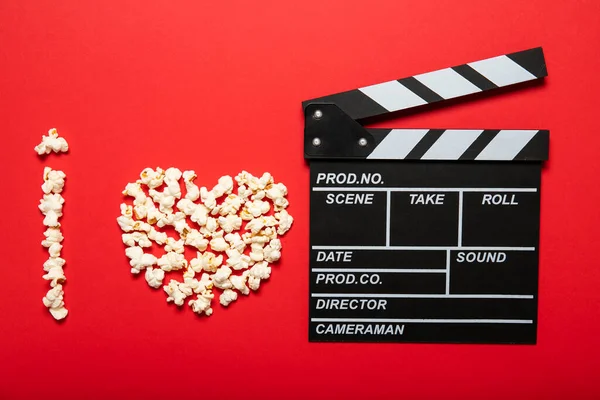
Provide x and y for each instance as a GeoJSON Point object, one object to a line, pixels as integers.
{"type": "Point", "coordinates": [421, 296]}
{"type": "Point", "coordinates": [466, 248]}
{"type": "Point", "coordinates": [425, 321]}
{"type": "Point", "coordinates": [382, 270]}
{"type": "Point", "coordinates": [419, 189]}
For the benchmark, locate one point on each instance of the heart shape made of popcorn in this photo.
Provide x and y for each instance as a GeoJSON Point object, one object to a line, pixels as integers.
{"type": "Point", "coordinates": [233, 230]}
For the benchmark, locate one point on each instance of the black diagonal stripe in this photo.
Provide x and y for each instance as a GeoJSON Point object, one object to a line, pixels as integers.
{"type": "Point", "coordinates": [378, 135]}
{"type": "Point", "coordinates": [479, 144]}
{"type": "Point", "coordinates": [474, 77]}
{"type": "Point", "coordinates": [424, 144]}
{"type": "Point", "coordinates": [412, 84]}
{"type": "Point", "coordinates": [532, 60]}
{"type": "Point", "coordinates": [354, 103]}
{"type": "Point", "coordinates": [537, 148]}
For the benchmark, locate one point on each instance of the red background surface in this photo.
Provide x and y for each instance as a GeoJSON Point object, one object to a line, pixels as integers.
{"type": "Point", "coordinates": [217, 87]}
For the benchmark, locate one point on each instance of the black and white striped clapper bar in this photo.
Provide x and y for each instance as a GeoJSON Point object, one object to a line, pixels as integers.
{"type": "Point", "coordinates": [424, 235]}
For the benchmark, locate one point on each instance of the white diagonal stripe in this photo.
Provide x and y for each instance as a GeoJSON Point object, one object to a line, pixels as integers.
{"type": "Point", "coordinates": [506, 145]}
{"type": "Point", "coordinates": [502, 71]}
{"type": "Point", "coordinates": [447, 83]}
{"type": "Point", "coordinates": [397, 144]}
{"type": "Point", "coordinates": [392, 96]}
{"type": "Point", "coordinates": [452, 144]}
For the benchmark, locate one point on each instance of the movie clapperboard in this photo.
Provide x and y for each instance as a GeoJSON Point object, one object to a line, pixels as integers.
{"type": "Point", "coordinates": [424, 235]}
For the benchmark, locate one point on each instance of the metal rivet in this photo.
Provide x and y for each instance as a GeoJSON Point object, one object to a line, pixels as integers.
{"type": "Point", "coordinates": [318, 114]}
{"type": "Point", "coordinates": [316, 142]}
{"type": "Point", "coordinates": [362, 142]}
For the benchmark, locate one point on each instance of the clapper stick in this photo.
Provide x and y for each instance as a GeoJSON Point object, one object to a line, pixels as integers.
{"type": "Point", "coordinates": [444, 84]}
{"type": "Point", "coordinates": [424, 235]}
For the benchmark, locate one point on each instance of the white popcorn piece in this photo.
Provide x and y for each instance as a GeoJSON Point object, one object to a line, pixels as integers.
{"type": "Point", "coordinates": [54, 262]}
{"type": "Point", "coordinates": [138, 259]}
{"type": "Point", "coordinates": [242, 178]}
{"type": "Point", "coordinates": [271, 233]}
{"type": "Point", "coordinates": [154, 214]}
{"type": "Point", "coordinates": [227, 297]}
{"type": "Point", "coordinates": [265, 180]}
{"type": "Point", "coordinates": [152, 178]}
{"type": "Point", "coordinates": [172, 175]}
{"type": "Point", "coordinates": [253, 283]}
{"type": "Point", "coordinates": [135, 190]}
{"type": "Point", "coordinates": [257, 252]}
{"type": "Point", "coordinates": [210, 228]}
{"type": "Point", "coordinates": [205, 283]}
{"type": "Point", "coordinates": [285, 221]}
{"type": "Point", "coordinates": [165, 200]}
{"type": "Point", "coordinates": [244, 193]}
{"type": "Point", "coordinates": [136, 239]}
{"type": "Point", "coordinates": [55, 275]}
{"type": "Point", "coordinates": [195, 239]}
{"type": "Point", "coordinates": [237, 260]}
{"type": "Point", "coordinates": [272, 251]}
{"type": "Point", "coordinates": [165, 220]}
{"type": "Point", "coordinates": [277, 193]}
{"type": "Point", "coordinates": [52, 203]}
{"type": "Point", "coordinates": [260, 270]}
{"type": "Point", "coordinates": [154, 277]}
{"type": "Point", "coordinates": [158, 237]}
{"type": "Point", "coordinates": [269, 221]}
{"type": "Point", "coordinates": [206, 261]}
{"type": "Point", "coordinates": [128, 224]}
{"type": "Point", "coordinates": [239, 282]}
{"type": "Point", "coordinates": [230, 223]}
{"type": "Point", "coordinates": [221, 277]}
{"type": "Point", "coordinates": [224, 186]}
{"type": "Point", "coordinates": [235, 241]}
{"type": "Point", "coordinates": [143, 207]}
{"type": "Point", "coordinates": [189, 273]}
{"type": "Point", "coordinates": [230, 206]}
{"type": "Point", "coordinates": [202, 303]}
{"type": "Point", "coordinates": [172, 261]}
{"type": "Point", "coordinates": [186, 206]}
{"type": "Point", "coordinates": [208, 198]}
{"type": "Point", "coordinates": [54, 250]}
{"type": "Point", "coordinates": [174, 292]}
{"type": "Point", "coordinates": [218, 244]}
{"type": "Point", "coordinates": [54, 302]}
{"type": "Point", "coordinates": [249, 238]}
{"type": "Point", "coordinates": [257, 207]}
{"type": "Point", "coordinates": [200, 215]}
{"type": "Point", "coordinates": [51, 220]}
{"type": "Point", "coordinates": [53, 235]}
{"type": "Point", "coordinates": [173, 188]}
{"type": "Point", "coordinates": [255, 184]}
{"type": "Point", "coordinates": [173, 245]}
{"type": "Point", "coordinates": [255, 225]}
{"type": "Point", "coordinates": [258, 195]}
{"type": "Point", "coordinates": [54, 181]}
{"type": "Point", "coordinates": [51, 206]}
{"type": "Point", "coordinates": [180, 223]}
{"type": "Point", "coordinates": [192, 191]}
{"type": "Point", "coordinates": [52, 142]}
{"type": "Point", "coordinates": [126, 210]}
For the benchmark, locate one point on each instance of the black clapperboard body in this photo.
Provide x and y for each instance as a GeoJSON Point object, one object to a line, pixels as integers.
{"type": "Point", "coordinates": [424, 235]}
